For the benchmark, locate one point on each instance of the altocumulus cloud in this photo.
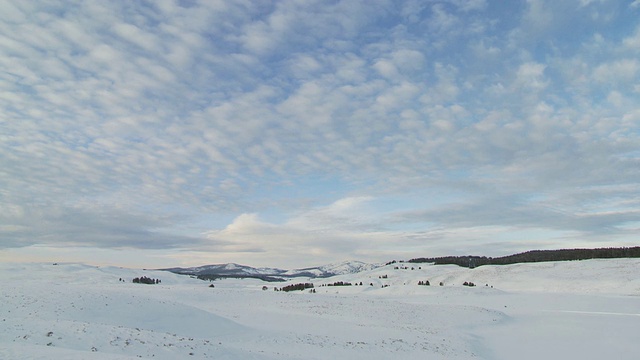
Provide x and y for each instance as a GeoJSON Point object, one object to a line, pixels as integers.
{"type": "Point", "coordinates": [259, 131]}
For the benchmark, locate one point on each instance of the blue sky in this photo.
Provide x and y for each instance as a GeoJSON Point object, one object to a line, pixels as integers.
{"type": "Point", "coordinates": [296, 133]}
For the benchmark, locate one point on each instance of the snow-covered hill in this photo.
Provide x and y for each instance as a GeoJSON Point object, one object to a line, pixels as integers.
{"type": "Point", "coordinates": [341, 268]}
{"type": "Point", "coordinates": [581, 309]}
{"type": "Point", "coordinates": [228, 269]}
{"type": "Point", "coordinates": [236, 270]}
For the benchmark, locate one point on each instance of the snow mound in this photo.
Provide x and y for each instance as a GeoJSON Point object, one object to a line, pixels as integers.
{"type": "Point", "coordinates": [68, 310]}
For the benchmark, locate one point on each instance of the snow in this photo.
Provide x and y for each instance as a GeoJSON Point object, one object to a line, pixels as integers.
{"type": "Point", "coordinates": [578, 310]}
{"type": "Point", "coordinates": [232, 269]}
{"type": "Point", "coordinates": [342, 268]}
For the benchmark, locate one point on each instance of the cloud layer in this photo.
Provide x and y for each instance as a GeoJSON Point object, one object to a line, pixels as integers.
{"type": "Point", "coordinates": [261, 131]}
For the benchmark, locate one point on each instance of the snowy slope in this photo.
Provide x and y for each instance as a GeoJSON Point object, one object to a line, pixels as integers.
{"type": "Point", "coordinates": [583, 309]}
{"type": "Point", "coordinates": [236, 270]}
{"type": "Point", "coordinates": [68, 310]}
{"type": "Point", "coordinates": [228, 269]}
{"type": "Point", "coordinates": [341, 268]}
{"type": "Point", "coordinates": [607, 276]}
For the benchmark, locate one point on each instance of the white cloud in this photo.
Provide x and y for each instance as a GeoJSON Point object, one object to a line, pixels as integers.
{"type": "Point", "coordinates": [538, 15]}
{"type": "Point", "coordinates": [323, 233]}
{"type": "Point", "coordinates": [632, 43]}
{"type": "Point", "coordinates": [471, 5]}
{"type": "Point", "coordinates": [531, 75]}
{"type": "Point", "coordinates": [158, 115]}
{"type": "Point", "coordinates": [387, 69]}
{"type": "Point", "coordinates": [135, 35]}
{"type": "Point", "coordinates": [619, 71]}
{"type": "Point", "coordinates": [441, 20]}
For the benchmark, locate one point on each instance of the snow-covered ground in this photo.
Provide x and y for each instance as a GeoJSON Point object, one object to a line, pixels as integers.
{"type": "Point", "coordinates": [565, 310]}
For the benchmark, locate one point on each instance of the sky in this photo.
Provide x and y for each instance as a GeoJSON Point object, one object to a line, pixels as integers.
{"type": "Point", "coordinates": [298, 133]}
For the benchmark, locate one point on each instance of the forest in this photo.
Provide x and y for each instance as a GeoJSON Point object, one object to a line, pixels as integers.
{"type": "Point", "coordinates": [533, 256]}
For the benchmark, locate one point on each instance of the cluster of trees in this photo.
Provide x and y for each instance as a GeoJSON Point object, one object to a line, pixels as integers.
{"type": "Point", "coordinates": [294, 287]}
{"type": "Point", "coordinates": [340, 283]}
{"type": "Point", "coordinates": [426, 283]}
{"type": "Point", "coordinates": [534, 256]}
{"type": "Point", "coordinates": [469, 283]}
{"type": "Point", "coordinates": [146, 280]}
{"type": "Point", "coordinates": [212, 277]}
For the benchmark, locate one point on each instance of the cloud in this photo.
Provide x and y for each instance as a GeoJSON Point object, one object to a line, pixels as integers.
{"type": "Point", "coordinates": [531, 75]}
{"type": "Point", "coordinates": [87, 226]}
{"type": "Point", "coordinates": [441, 20]}
{"type": "Point", "coordinates": [151, 124]}
{"type": "Point", "coordinates": [619, 71]}
{"type": "Point", "coordinates": [322, 234]}
{"type": "Point", "coordinates": [355, 226]}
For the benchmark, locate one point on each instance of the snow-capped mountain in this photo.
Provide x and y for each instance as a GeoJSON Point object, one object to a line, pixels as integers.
{"type": "Point", "coordinates": [342, 268]}
{"type": "Point", "coordinates": [237, 270]}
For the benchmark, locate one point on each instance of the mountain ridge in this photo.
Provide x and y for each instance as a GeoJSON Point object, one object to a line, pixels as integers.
{"type": "Point", "coordinates": [234, 270]}
{"type": "Point", "coordinates": [227, 270]}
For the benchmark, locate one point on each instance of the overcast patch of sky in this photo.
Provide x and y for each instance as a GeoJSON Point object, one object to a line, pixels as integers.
{"type": "Point", "coordinates": [342, 129]}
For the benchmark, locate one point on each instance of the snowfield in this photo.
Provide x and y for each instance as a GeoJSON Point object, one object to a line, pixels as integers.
{"type": "Point", "coordinates": [569, 310]}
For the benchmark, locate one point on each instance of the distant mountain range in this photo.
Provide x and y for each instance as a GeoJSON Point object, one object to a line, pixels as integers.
{"type": "Point", "coordinates": [232, 270]}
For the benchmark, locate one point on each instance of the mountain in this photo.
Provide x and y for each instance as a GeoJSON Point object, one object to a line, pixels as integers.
{"type": "Point", "coordinates": [342, 268]}
{"type": "Point", "coordinates": [225, 269]}
{"type": "Point", "coordinates": [232, 270]}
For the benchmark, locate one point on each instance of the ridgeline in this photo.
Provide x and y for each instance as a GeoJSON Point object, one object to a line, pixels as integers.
{"type": "Point", "coordinates": [534, 256]}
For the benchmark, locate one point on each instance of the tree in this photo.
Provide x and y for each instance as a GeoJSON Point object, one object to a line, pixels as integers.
{"type": "Point", "coordinates": [145, 280]}
{"type": "Point", "coordinates": [294, 287]}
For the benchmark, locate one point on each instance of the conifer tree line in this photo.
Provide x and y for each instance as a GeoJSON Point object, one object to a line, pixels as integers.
{"type": "Point", "coordinates": [145, 280]}
{"type": "Point", "coordinates": [294, 287]}
{"type": "Point", "coordinates": [534, 256]}
{"type": "Point", "coordinates": [341, 283]}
